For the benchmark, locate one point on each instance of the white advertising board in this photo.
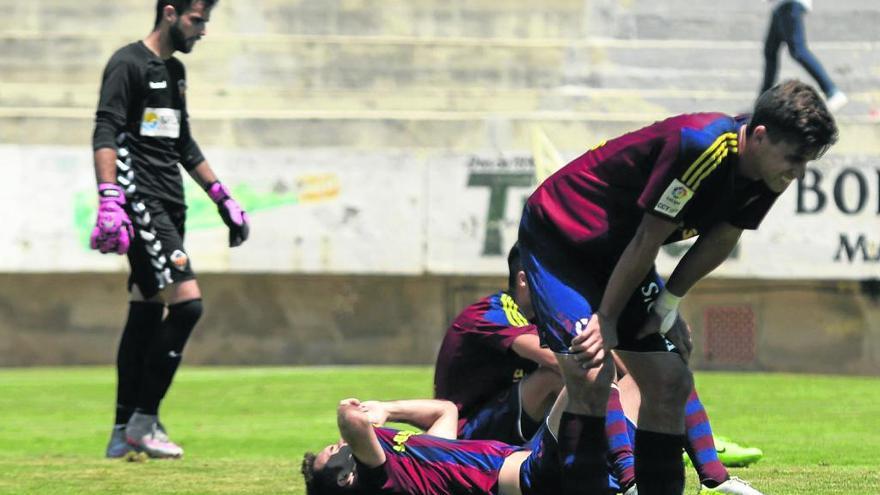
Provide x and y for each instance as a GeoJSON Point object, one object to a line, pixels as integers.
{"type": "Point", "coordinates": [406, 212]}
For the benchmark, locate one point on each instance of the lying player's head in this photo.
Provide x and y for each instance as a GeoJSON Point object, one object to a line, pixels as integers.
{"type": "Point", "coordinates": [333, 470]}
{"type": "Point", "coordinates": [789, 127]}
{"type": "Point", "coordinates": [186, 20]}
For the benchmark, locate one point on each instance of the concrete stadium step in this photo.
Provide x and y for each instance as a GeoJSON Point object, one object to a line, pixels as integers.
{"type": "Point", "coordinates": [453, 131]}
{"type": "Point", "coordinates": [359, 63]}
{"type": "Point", "coordinates": [561, 19]}
{"type": "Point", "coordinates": [247, 100]}
{"type": "Point", "coordinates": [130, 17]}
{"type": "Point", "coordinates": [841, 20]}
{"type": "Point", "coordinates": [481, 18]}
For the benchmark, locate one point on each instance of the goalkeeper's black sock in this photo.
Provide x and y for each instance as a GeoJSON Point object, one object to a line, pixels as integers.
{"type": "Point", "coordinates": [165, 352]}
{"type": "Point", "coordinates": [143, 321]}
{"type": "Point", "coordinates": [659, 466]}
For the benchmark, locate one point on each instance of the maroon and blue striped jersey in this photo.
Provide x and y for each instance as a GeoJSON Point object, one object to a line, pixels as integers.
{"type": "Point", "coordinates": [683, 169]}
{"type": "Point", "coordinates": [475, 362]}
{"type": "Point", "coordinates": [420, 464]}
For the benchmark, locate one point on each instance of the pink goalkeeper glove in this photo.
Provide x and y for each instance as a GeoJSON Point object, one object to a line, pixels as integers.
{"type": "Point", "coordinates": [113, 231]}
{"type": "Point", "coordinates": [233, 216]}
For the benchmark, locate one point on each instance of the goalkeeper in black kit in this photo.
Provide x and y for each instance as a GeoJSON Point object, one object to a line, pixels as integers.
{"type": "Point", "coordinates": [141, 135]}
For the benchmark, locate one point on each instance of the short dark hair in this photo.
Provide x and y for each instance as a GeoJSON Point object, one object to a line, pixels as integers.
{"type": "Point", "coordinates": [323, 481]}
{"type": "Point", "coordinates": [794, 111]}
{"type": "Point", "coordinates": [180, 6]}
{"type": "Point", "coordinates": [514, 266]}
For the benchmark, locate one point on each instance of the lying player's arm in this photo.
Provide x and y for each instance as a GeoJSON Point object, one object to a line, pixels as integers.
{"type": "Point", "coordinates": [357, 431]}
{"type": "Point", "coordinates": [436, 417]}
{"type": "Point", "coordinates": [634, 263]}
{"type": "Point", "coordinates": [710, 250]}
{"type": "Point", "coordinates": [529, 346]}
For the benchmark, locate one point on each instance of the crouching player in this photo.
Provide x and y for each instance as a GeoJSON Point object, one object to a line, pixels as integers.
{"type": "Point", "coordinates": [492, 367]}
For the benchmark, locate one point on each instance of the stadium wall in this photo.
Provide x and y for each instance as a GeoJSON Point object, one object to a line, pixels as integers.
{"type": "Point", "coordinates": [407, 212]}
{"type": "Point", "coordinates": [73, 319]}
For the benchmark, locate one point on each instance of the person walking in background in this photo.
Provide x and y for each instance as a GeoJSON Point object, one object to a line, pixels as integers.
{"type": "Point", "coordinates": [141, 135]}
{"type": "Point", "coordinates": [787, 26]}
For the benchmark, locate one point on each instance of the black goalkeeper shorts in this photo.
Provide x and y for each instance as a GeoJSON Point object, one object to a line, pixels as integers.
{"type": "Point", "coordinates": [156, 256]}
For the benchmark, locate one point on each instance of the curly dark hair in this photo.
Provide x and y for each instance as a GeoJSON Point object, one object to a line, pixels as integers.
{"type": "Point", "coordinates": [322, 482]}
{"type": "Point", "coordinates": [794, 111]}
{"type": "Point", "coordinates": [308, 472]}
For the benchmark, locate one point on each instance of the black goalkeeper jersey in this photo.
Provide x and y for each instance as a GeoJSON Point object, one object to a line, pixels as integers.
{"type": "Point", "coordinates": [142, 114]}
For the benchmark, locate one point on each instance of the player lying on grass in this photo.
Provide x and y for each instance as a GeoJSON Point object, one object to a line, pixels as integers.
{"type": "Point", "coordinates": [372, 459]}
{"type": "Point", "coordinates": [492, 366]}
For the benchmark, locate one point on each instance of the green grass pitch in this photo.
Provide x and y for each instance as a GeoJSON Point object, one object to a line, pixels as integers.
{"type": "Point", "coordinates": [244, 430]}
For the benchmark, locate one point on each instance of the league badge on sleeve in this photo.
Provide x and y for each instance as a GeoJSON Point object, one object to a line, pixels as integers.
{"type": "Point", "coordinates": [674, 198]}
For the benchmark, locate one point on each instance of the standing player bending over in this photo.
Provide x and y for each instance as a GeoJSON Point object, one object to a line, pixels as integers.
{"type": "Point", "coordinates": [141, 134]}
{"type": "Point", "coordinates": [591, 232]}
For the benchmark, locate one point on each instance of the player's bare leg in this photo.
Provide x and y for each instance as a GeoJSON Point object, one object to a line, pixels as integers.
{"type": "Point", "coordinates": [582, 441]}
{"type": "Point", "coordinates": [176, 293]}
{"type": "Point", "coordinates": [665, 382]}
{"type": "Point", "coordinates": [538, 392]}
